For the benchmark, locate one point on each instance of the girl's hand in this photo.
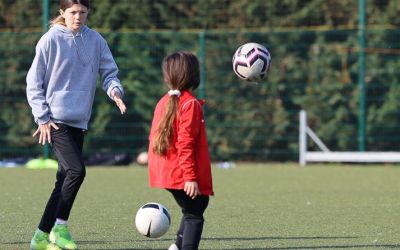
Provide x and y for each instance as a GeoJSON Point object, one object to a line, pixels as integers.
{"type": "Point", "coordinates": [117, 99]}
{"type": "Point", "coordinates": [44, 132]}
{"type": "Point", "coordinates": [192, 189]}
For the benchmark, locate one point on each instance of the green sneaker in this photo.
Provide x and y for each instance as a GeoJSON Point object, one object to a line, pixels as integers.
{"type": "Point", "coordinates": [52, 246]}
{"type": "Point", "coordinates": [40, 241]}
{"type": "Point", "coordinates": [60, 236]}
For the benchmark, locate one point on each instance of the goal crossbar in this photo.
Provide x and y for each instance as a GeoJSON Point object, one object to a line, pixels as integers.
{"type": "Point", "coordinates": [325, 155]}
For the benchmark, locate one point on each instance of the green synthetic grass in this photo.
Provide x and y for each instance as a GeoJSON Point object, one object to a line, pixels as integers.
{"type": "Point", "coordinates": [259, 206]}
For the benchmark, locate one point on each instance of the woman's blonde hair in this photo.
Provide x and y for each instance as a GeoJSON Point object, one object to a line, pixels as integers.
{"type": "Point", "coordinates": [181, 71]}
{"type": "Point", "coordinates": [65, 4]}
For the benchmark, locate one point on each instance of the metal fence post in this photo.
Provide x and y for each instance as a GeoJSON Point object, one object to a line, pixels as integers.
{"type": "Point", "coordinates": [361, 75]}
{"type": "Point", "coordinates": [45, 22]}
{"type": "Point", "coordinates": [202, 59]}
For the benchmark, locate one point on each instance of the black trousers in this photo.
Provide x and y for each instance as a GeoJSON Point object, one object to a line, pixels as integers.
{"type": "Point", "coordinates": [67, 145]}
{"type": "Point", "coordinates": [191, 227]}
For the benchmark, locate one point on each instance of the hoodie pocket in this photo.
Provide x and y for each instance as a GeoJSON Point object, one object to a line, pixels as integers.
{"type": "Point", "coordinates": [71, 106]}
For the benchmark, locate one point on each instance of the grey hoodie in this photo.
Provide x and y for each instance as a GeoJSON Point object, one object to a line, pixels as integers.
{"type": "Point", "coordinates": [61, 82]}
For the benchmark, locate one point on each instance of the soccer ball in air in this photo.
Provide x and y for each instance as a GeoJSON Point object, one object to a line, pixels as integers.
{"type": "Point", "coordinates": [251, 62]}
{"type": "Point", "coordinates": [152, 220]}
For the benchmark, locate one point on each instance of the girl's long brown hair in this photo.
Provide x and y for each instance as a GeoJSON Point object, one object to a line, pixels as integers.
{"type": "Point", "coordinates": [181, 71]}
{"type": "Point", "coordinates": [65, 4]}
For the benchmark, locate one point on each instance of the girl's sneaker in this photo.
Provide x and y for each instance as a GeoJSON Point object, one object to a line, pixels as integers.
{"type": "Point", "coordinates": [40, 241]}
{"type": "Point", "coordinates": [60, 236]}
{"type": "Point", "coordinates": [52, 246]}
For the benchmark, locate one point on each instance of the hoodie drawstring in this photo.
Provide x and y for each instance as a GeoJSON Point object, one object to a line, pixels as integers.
{"type": "Point", "coordinates": [81, 50]}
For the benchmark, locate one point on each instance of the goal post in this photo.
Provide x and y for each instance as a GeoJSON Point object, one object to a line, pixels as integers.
{"type": "Point", "coordinates": [325, 155]}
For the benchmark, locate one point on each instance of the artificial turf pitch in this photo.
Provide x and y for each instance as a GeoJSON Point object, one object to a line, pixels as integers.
{"type": "Point", "coordinates": [256, 206]}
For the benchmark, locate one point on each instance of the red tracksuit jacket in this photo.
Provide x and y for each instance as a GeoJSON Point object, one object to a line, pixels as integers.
{"type": "Point", "coordinates": [188, 159]}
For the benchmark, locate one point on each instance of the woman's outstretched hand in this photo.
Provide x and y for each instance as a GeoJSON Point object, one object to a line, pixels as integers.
{"type": "Point", "coordinates": [44, 132]}
{"type": "Point", "coordinates": [118, 101]}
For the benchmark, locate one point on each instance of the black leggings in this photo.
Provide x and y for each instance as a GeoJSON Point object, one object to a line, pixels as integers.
{"type": "Point", "coordinates": [191, 227]}
{"type": "Point", "coordinates": [67, 145]}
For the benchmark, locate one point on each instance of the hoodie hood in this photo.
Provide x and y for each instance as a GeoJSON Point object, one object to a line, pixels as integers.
{"type": "Point", "coordinates": [78, 39]}
{"type": "Point", "coordinates": [63, 29]}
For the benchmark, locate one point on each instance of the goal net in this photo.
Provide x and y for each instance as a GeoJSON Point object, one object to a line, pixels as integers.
{"type": "Point", "coordinates": [326, 155]}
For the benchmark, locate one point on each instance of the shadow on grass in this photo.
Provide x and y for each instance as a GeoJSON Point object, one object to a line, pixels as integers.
{"type": "Point", "coordinates": [366, 246]}
{"type": "Point", "coordinates": [348, 246]}
{"type": "Point", "coordinates": [281, 238]}
{"type": "Point", "coordinates": [86, 244]}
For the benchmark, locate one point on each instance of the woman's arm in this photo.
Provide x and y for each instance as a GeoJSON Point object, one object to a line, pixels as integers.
{"type": "Point", "coordinates": [111, 84]}
{"type": "Point", "coordinates": [35, 89]}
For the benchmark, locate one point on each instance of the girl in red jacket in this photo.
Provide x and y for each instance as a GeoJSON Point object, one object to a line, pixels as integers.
{"type": "Point", "coordinates": [178, 151]}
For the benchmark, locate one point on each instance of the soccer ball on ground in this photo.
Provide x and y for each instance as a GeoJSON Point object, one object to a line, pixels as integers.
{"type": "Point", "coordinates": [142, 158]}
{"type": "Point", "coordinates": [251, 62]}
{"type": "Point", "coordinates": [152, 220]}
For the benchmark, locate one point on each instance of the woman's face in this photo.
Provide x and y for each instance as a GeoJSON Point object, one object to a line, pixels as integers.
{"type": "Point", "coordinates": [75, 16]}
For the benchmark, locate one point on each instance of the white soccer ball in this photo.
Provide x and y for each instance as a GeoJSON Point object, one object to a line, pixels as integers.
{"type": "Point", "coordinates": [251, 62]}
{"type": "Point", "coordinates": [142, 158]}
{"type": "Point", "coordinates": [152, 220]}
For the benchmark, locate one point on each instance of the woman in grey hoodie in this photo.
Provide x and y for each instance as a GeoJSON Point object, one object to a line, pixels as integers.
{"type": "Point", "coordinates": [61, 86]}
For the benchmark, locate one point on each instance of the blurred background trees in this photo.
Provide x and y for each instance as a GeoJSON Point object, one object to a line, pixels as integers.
{"type": "Point", "coordinates": [314, 49]}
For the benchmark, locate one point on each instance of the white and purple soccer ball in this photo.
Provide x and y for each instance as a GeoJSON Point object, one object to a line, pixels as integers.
{"type": "Point", "coordinates": [251, 62]}
{"type": "Point", "coordinates": [152, 220]}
